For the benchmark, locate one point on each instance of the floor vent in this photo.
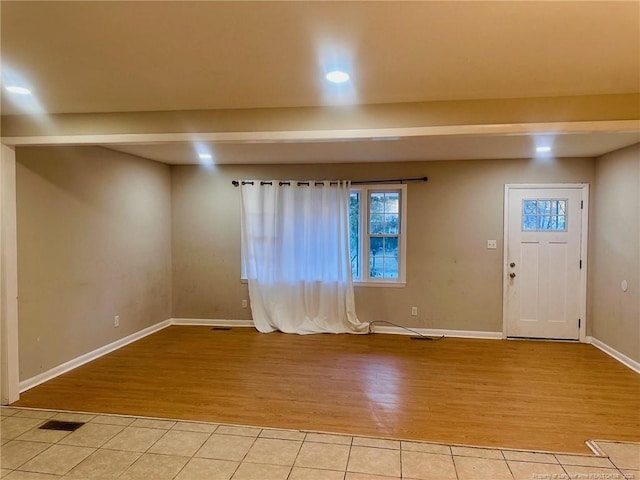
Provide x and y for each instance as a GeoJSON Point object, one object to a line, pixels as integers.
{"type": "Point", "coordinates": [64, 426]}
{"type": "Point", "coordinates": [221, 328]}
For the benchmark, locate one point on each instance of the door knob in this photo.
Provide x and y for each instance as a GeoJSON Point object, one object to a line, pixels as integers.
{"type": "Point", "coordinates": [512, 275]}
{"type": "Point", "coordinates": [512, 264]}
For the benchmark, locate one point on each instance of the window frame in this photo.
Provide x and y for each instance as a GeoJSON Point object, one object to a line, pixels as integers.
{"type": "Point", "coordinates": [365, 280]}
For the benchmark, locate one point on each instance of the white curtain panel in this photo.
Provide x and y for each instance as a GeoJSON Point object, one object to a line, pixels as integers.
{"type": "Point", "coordinates": [295, 249]}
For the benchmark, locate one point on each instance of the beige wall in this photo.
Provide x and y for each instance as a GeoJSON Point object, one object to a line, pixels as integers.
{"type": "Point", "coordinates": [452, 278]}
{"type": "Point", "coordinates": [94, 241]}
{"type": "Point", "coordinates": [98, 232]}
{"type": "Point", "coordinates": [615, 251]}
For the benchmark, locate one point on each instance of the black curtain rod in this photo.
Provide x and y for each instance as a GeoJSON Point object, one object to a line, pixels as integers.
{"type": "Point", "coordinates": [237, 183]}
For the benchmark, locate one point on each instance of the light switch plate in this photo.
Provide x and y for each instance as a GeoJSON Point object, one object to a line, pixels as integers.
{"type": "Point", "coordinates": [492, 244]}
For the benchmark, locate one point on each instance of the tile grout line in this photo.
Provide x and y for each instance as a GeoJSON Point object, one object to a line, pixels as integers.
{"type": "Point", "coordinates": [296, 457]}
{"type": "Point", "coordinates": [31, 458]}
{"type": "Point", "coordinates": [304, 440]}
{"type": "Point", "coordinates": [504, 459]}
{"type": "Point", "coordinates": [346, 467]}
{"type": "Point", "coordinates": [247, 453]}
{"type": "Point", "coordinates": [94, 415]}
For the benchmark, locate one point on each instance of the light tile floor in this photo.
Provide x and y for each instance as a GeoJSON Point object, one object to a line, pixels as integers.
{"type": "Point", "coordinates": [110, 447]}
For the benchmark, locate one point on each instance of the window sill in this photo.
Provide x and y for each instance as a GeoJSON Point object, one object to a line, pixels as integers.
{"type": "Point", "coordinates": [363, 284]}
{"type": "Point", "coordinates": [380, 284]}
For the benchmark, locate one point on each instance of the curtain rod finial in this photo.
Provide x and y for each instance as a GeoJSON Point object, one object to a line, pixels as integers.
{"type": "Point", "coordinates": [235, 183]}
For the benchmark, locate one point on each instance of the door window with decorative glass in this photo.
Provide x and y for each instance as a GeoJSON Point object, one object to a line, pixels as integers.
{"type": "Point", "coordinates": [544, 215]}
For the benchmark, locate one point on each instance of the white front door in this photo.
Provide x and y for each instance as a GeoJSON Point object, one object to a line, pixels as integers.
{"type": "Point", "coordinates": [544, 267]}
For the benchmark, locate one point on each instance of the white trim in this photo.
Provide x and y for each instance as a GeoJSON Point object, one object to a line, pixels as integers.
{"type": "Point", "coordinates": [212, 322]}
{"type": "Point", "coordinates": [330, 135]}
{"type": "Point", "coordinates": [88, 357]}
{"type": "Point", "coordinates": [525, 186]}
{"type": "Point", "coordinates": [436, 332]}
{"type": "Point", "coordinates": [505, 256]}
{"type": "Point", "coordinates": [431, 332]}
{"type": "Point", "coordinates": [595, 448]}
{"type": "Point", "coordinates": [612, 352]}
{"type": "Point", "coordinates": [364, 191]}
{"type": "Point", "coordinates": [9, 369]}
{"type": "Point", "coordinates": [99, 352]}
{"type": "Point", "coordinates": [584, 258]}
{"type": "Point", "coordinates": [373, 283]}
{"type": "Point", "coordinates": [584, 187]}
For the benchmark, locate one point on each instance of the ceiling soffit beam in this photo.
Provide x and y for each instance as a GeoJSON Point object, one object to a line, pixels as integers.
{"type": "Point", "coordinates": [297, 136]}
{"type": "Point", "coordinates": [452, 116]}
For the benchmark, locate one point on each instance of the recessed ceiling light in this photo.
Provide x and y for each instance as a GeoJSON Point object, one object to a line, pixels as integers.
{"type": "Point", "coordinates": [543, 149]}
{"type": "Point", "coordinates": [205, 156]}
{"type": "Point", "coordinates": [337, 76]}
{"type": "Point", "coordinates": [18, 90]}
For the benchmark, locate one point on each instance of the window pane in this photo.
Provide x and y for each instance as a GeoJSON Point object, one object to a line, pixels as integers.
{"type": "Point", "coordinates": [376, 244]}
{"type": "Point", "coordinates": [391, 223]}
{"type": "Point", "coordinates": [376, 203]}
{"type": "Point", "coordinates": [544, 222]}
{"type": "Point", "coordinates": [376, 257]}
{"type": "Point", "coordinates": [392, 202]}
{"type": "Point", "coordinates": [390, 267]}
{"type": "Point", "coordinates": [391, 246]}
{"type": "Point", "coordinates": [529, 207]}
{"type": "Point", "coordinates": [529, 222]}
{"type": "Point", "coordinates": [384, 202]}
{"type": "Point", "coordinates": [354, 233]}
{"type": "Point", "coordinates": [376, 223]}
{"type": "Point", "coordinates": [544, 207]}
{"type": "Point", "coordinates": [562, 207]}
{"type": "Point", "coordinates": [376, 266]}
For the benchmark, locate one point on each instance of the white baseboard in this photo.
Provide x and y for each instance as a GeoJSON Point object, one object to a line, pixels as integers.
{"type": "Point", "coordinates": [436, 332]}
{"type": "Point", "coordinates": [88, 357]}
{"type": "Point", "coordinates": [430, 332]}
{"type": "Point", "coordinates": [621, 357]}
{"type": "Point", "coordinates": [212, 322]}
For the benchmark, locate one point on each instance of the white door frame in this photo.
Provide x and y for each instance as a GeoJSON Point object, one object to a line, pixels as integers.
{"type": "Point", "coordinates": [584, 236]}
{"type": "Point", "coordinates": [9, 368]}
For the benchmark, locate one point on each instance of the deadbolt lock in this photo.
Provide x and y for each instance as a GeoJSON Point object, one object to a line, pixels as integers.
{"type": "Point", "coordinates": [512, 264]}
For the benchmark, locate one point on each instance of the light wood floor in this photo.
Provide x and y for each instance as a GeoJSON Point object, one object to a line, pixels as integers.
{"type": "Point", "coordinates": [514, 394]}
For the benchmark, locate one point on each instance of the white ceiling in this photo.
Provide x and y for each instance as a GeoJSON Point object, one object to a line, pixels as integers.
{"type": "Point", "coordinates": [103, 56]}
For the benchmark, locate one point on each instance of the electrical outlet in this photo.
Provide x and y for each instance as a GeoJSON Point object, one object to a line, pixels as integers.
{"type": "Point", "coordinates": [244, 303]}
{"type": "Point", "coordinates": [116, 321]}
{"type": "Point", "coordinates": [414, 311]}
{"type": "Point", "coordinates": [492, 244]}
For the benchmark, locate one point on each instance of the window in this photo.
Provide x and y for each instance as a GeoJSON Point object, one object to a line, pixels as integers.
{"type": "Point", "coordinates": [377, 235]}
{"type": "Point", "coordinates": [377, 239]}
{"type": "Point", "coordinates": [544, 215]}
